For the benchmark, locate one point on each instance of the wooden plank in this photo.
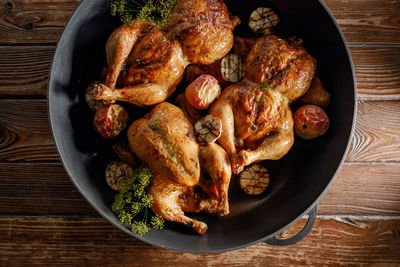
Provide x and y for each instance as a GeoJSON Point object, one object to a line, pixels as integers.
{"type": "Point", "coordinates": [25, 190]}
{"type": "Point", "coordinates": [377, 135]}
{"type": "Point", "coordinates": [88, 241]}
{"type": "Point", "coordinates": [377, 72]}
{"type": "Point", "coordinates": [24, 131]}
{"type": "Point", "coordinates": [359, 189]}
{"type": "Point", "coordinates": [364, 189]}
{"type": "Point", "coordinates": [24, 71]}
{"type": "Point", "coordinates": [368, 21]}
{"type": "Point", "coordinates": [362, 21]}
{"type": "Point", "coordinates": [33, 21]}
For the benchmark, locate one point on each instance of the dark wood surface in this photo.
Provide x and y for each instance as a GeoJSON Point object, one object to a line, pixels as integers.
{"type": "Point", "coordinates": [44, 220]}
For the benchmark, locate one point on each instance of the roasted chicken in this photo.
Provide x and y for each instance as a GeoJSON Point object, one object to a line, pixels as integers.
{"type": "Point", "coordinates": [164, 140]}
{"type": "Point", "coordinates": [257, 123]}
{"type": "Point", "coordinates": [145, 64]}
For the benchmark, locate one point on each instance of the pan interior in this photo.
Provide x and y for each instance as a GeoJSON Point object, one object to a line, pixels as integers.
{"type": "Point", "coordinates": [297, 180]}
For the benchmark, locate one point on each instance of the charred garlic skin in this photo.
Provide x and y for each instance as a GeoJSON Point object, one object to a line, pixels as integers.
{"type": "Point", "coordinates": [116, 172]}
{"type": "Point", "coordinates": [263, 20]}
{"type": "Point", "coordinates": [233, 69]}
{"type": "Point", "coordinates": [208, 129]}
{"type": "Point", "coordinates": [254, 180]}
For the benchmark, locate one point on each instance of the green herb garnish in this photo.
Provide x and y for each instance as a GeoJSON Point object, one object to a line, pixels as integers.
{"type": "Point", "coordinates": [155, 11]}
{"type": "Point", "coordinates": [265, 86]}
{"type": "Point", "coordinates": [133, 201]}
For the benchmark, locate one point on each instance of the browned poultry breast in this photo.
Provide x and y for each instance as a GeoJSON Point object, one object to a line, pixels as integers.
{"type": "Point", "coordinates": [145, 64]}
{"type": "Point", "coordinates": [204, 29]}
{"type": "Point", "coordinates": [165, 141]}
{"type": "Point", "coordinates": [257, 123]}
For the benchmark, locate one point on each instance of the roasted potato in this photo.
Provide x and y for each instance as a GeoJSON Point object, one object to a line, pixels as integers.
{"type": "Point", "coordinates": [310, 122]}
{"type": "Point", "coordinates": [202, 91]}
{"type": "Point", "coordinates": [110, 120]}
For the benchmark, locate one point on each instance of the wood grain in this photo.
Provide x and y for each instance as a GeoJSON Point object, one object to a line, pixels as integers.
{"type": "Point", "coordinates": [377, 72]}
{"type": "Point", "coordinates": [377, 135]}
{"type": "Point", "coordinates": [24, 71]}
{"type": "Point", "coordinates": [33, 21]}
{"type": "Point", "coordinates": [25, 190]}
{"type": "Point", "coordinates": [368, 21]}
{"type": "Point", "coordinates": [359, 189]}
{"type": "Point", "coordinates": [362, 21]}
{"type": "Point", "coordinates": [39, 241]}
{"type": "Point", "coordinates": [24, 131]}
{"type": "Point", "coordinates": [364, 189]}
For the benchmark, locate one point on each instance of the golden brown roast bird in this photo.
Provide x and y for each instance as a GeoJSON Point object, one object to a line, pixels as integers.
{"type": "Point", "coordinates": [145, 64]}
{"type": "Point", "coordinates": [164, 140]}
{"type": "Point", "coordinates": [257, 123]}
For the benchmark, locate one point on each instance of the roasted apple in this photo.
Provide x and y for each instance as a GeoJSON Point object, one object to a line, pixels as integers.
{"type": "Point", "coordinates": [110, 120]}
{"type": "Point", "coordinates": [310, 122]}
{"type": "Point", "coordinates": [203, 91]}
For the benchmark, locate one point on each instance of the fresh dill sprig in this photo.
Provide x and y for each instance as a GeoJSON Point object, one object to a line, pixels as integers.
{"type": "Point", "coordinates": [157, 222]}
{"type": "Point", "coordinates": [156, 12]}
{"type": "Point", "coordinates": [133, 201]}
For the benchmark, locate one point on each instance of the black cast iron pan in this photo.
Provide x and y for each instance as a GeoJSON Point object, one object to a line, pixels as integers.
{"type": "Point", "coordinates": [298, 180]}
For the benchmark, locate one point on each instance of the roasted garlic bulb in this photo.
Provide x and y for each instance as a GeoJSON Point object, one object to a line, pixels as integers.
{"type": "Point", "coordinates": [262, 20]}
{"type": "Point", "coordinates": [208, 129]}
{"type": "Point", "coordinates": [233, 68]}
{"type": "Point", "coordinates": [254, 179]}
{"type": "Point", "coordinates": [116, 172]}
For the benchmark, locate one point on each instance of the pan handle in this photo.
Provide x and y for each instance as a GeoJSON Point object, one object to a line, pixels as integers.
{"type": "Point", "coordinates": [312, 215]}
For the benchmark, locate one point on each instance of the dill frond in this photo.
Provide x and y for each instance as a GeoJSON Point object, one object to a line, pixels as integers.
{"type": "Point", "coordinates": [157, 12]}
{"type": "Point", "coordinates": [147, 200]}
{"type": "Point", "coordinates": [133, 201]}
{"type": "Point", "coordinates": [140, 228]}
{"type": "Point", "coordinates": [157, 222]}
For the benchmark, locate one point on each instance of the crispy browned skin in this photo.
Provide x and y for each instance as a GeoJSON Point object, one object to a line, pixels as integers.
{"type": "Point", "coordinates": [316, 94]}
{"type": "Point", "coordinates": [165, 141]}
{"type": "Point", "coordinates": [171, 199]}
{"type": "Point", "coordinates": [145, 64]}
{"type": "Point", "coordinates": [215, 161]}
{"type": "Point", "coordinates": [257, 123]}
{"type": "Point", "coordinates": [204, 29]}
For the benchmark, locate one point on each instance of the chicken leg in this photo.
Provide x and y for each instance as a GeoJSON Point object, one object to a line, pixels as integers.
{"type": "Point", "coordinates": [215, 161]}
{"type": "Point", "coordinates": [171, 199]}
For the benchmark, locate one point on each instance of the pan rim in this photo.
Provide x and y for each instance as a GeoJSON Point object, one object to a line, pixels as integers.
{"type": "Point", "coordinates": [197, 251]}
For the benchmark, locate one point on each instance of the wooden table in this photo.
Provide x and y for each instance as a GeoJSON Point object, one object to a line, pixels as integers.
{"type": "Point", "coordinates": [44, 220]}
